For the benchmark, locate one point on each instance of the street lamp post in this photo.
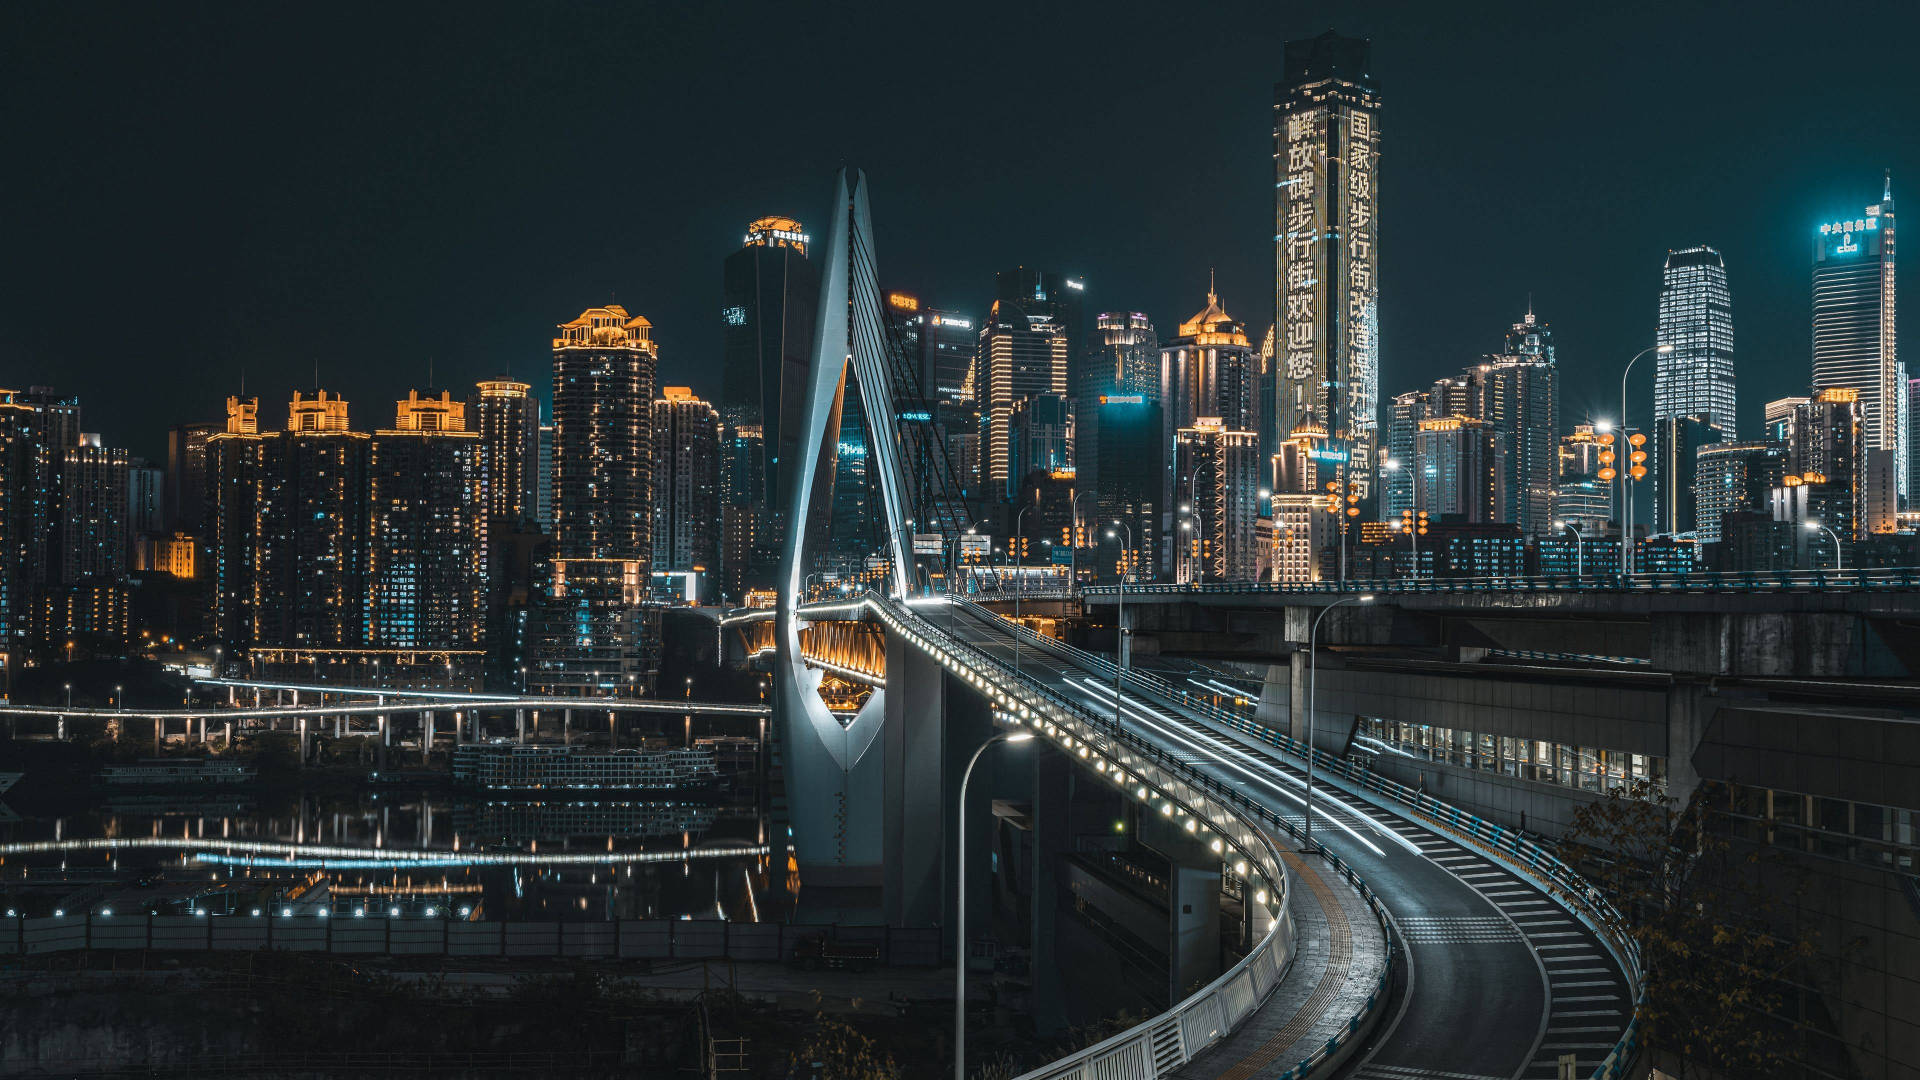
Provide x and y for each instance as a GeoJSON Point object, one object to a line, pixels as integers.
{"type": "Point", "coordinates": [1626, 474]}
{"type": "Point", "coordinates": [960, 907]}
{"type": "Point", "coordinates": [1839, 562]}
{"type": "Point", "coordinates": [1020, 536]}
{"type": "Point", "coordinates": [1120, 618]}
{"type": "Point", "coordinates": [1313, 665]}
{"type": "Point", "coordinates": [1073, 551]}
{"type": "Point", "coordinates": [1579, 566]}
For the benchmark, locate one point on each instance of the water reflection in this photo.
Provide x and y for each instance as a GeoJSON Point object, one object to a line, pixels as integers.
{"type": "Point", "coordinates": [416, 853]}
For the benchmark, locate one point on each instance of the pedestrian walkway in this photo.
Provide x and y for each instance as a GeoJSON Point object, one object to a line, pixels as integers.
{"type": "Point", "coordinates": [1339, 954]}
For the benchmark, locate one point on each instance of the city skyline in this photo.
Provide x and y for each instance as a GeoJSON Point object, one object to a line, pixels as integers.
{"type": "Point", "coordinates": [1592, 272]}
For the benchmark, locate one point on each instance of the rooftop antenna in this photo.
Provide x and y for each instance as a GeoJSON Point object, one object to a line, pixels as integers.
{"type": "Point", "coordinates": [1212, 297]}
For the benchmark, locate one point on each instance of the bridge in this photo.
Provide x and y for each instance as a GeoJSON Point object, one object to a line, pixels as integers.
{"type": "Point", "coordinates": [1376, 928]}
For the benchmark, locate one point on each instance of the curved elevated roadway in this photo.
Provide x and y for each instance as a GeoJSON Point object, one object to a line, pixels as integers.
{"type": "Point", "coordinates": [1501, 979]}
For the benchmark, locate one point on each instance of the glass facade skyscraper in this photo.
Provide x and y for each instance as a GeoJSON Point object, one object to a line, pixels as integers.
{"type": "Point", "coordinates": [1853, 323]}
{"type": "Point", "coordinates": [1696, 318]}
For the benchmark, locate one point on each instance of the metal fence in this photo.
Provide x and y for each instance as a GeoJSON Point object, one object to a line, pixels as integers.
{"type": "Point", "coordinates": [1508, 847]}
{"type": "Point", "coordinates": [1900, 578]}
{"type": "Point", "coordinates": [624, 939]}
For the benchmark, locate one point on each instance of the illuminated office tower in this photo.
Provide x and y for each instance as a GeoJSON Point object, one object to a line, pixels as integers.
{"type": "Point", "coordinates": [1123, 362]}
{"type": "Point", "coordinates": [1326, 153]}
{"type": "Point", "coordinates": [1913, 438]}
{"type": "Point", "coordinates": [1854, 340]}
{"type": "Point", "coordinates": [1396, 479]}
{"type": "Point", "coordinates": [310, 587]}
{"type": "Point", "coordinates": [1731, 477]}
{"type": "Point", "coordinates": [1209, 369]}
{"type": "Point", "coordinates": [507, 420]}
{"type": "Point", "coordinates": [1530, 337]}
{"type": "Point", "coordinates": [543, 479]}
{"type": "Point", "coordinates": [1696, 319]}
{"type": "Point", "coordinates": [1023, 353]}
{"type": "Point", "coordinates": [1461, 469]}
{"type": "Point", "coordinates": [429, 509]}
{"type": "Point", "coordinates": [1515, 396]}
{"type": "Point", "coordinates": [232, 487]}
{"type": "Point", "coordinates": [951, 342]}
{"type": "Point", "coordinates": [770, 301]}
{"type": "Point", "coordinates": [1128, 479]}
{"type": "Point", "coordinates": [1061, 300]}
{"type": "Point", "coordinates": [1218, 473]}
{"type": "Point", "coordinates": [686, 483]}
{"type": "Point", "coordinates": [595, 635]}
{"type": "Point", "coordinates": [1581, 498]}
{"type": "Point", "coordinates": [93, 511]}
{"type": "Point", "coordinates": [146, 503]}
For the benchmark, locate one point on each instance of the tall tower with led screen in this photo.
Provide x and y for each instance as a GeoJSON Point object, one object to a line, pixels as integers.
{"type": "Point", "coordinates": [1853, 323]}
{"type": "Point", "coordinates": [1326, 152]}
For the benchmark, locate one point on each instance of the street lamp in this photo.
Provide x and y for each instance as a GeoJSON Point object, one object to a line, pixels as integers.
{"type": "Point", "coordinates": [1020, 536]}
{"type": "Point", "coordinates": [1578, 565]}
{"type": "Point", "coordinates": [119, 696]}
{"type": "Point", "coordinates": [1074, 548]}
{"type": "Point", "coordinates": [69, 696]}
{"type": "Point", "coordinates": [1626, 493]}
{"type": "Point", "coordinates": [1313, 663]}
{"type": "Point", "coordinates": [1814, 526]}
{"type": "Point", "coordinates": [960, 908]}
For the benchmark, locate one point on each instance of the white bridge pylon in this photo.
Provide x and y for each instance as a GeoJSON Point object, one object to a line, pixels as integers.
{"type": "Point", "coordinates": [833, 769]}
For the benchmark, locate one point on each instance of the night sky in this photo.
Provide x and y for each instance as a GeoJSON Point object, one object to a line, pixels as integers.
{"type": "Point", "coordinates": [194, 191]}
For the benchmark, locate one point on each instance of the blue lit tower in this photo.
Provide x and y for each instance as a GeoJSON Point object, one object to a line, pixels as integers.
{"type": "Point", "coordinates": [1853, 323]}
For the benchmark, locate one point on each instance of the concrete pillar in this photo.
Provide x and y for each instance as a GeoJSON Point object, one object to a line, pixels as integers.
{"type": "Point", "coordinates": [426, 736]}
{"type": "Point", "coordinates": [613, 730]}
{"type": "Point", "coordinates": [914, 829]}
{"type": "Point", "coordinates": [303, 742]}
{"type": "Point", "coordinates": [229, 735]}
{"type": "Point", "coordinates": [340, 726]}
{"type": "Point", "coordinates": [230, 695]}
{"type": "Point", "coordinates": [1053, 787]}
{"type": "Point", "coordinates": [1193, 904]}
{"type": "Point", "coordinates": [1690, 709]}
{"type": "Point", "coordinates": [566, 726]}
{"type": "Point", "coordinates": [1124, 634]}
{"type": "Point", "coordinates": [520, 726]}
{"type": "Point", "coordinates": [203, 731]}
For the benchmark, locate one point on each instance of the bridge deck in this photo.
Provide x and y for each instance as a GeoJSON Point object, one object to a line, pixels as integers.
{"type": "Point", "coordinates": [1339, 955]}
{"type": "Point", "coordinates": [1500, 981]}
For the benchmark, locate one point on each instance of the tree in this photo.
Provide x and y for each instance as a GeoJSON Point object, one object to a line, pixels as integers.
{"type": "Point", "coordinates": [1717, 937]}
{"type": "Point", "coordinates": [835, 1051]}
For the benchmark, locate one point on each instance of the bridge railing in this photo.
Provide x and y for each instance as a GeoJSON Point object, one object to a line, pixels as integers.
{"type": "Point", "coordinates": [1511, 847]}
{"type": "Point", "coordinates": [1897, 578]}
{"type": "Point", "coordinates": [1161, 1045]}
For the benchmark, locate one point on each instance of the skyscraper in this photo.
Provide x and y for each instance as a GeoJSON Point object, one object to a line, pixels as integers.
{"type": "Point", "coordinates": [1854, 340]}
{"type": "Point", "coordinates": [1734, 477]}
{"type": "Point", "coordinates": [184, 503]}
{"type": "Point", "coordinates": [1677, 442]}
{"type": "Point", "coordinates": [1461, 469]}
{"type": "Point", "coordinates": [1326, 153]}
{"type": "Point", "coordinates": [429, 508]}
{"type": "Point", "coordinates": [1218, 470]}
{"type": "Point", "coordinates": [1022, 353]}
{"type": "Point", "coordinates": [1208, 370]}
{"type": "Point", "coordinates": [309, 542]}
{"type": "Point", "coordinates": [1129, 479]}
{"type": "Point", "coordinates": [507, 419]}
{"type": "Point", "coordinates": [595, 634]}
{"type": "Point", "coordinates": [686, 487]}
{"type": "Point", "coordinates": [25, 491]}
{"type": "Point", "coordinates": [770, 297]}
{"type": "Point", "coordinates": [232, 472]}
{"type": "Point", "coordinates": [1061, 300]}
{"type": "Point", "coordinates": [93, 512]}
{"type": "Point", "coordinates": [1516, 397]}
{"type": "Point", "coordinates": [1829, 451]}
{"type": "Point", "coordinates": [1397, 480]}
{"type": "Point", "coordinates": [1696, 318]}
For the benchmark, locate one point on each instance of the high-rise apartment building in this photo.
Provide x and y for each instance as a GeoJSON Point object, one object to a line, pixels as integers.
{"type": "Point", "coordinates": [93, 511]}
{"type": "Point", "coordinates": [1829, 450]}
{"type": "Point", "coordinates": [1060, 300]}
{"type": "Point", "coordinates": [686, 483]}
{"type": "Point", "coordinates": [186, 484]}
{"type": "Point", "coordinates": [506, 417]}
{"type": "Point", "coordinates": [1854, 333]}
{"type": "Point", "coordinates": [595, 634]}
{"type": "Point", "coordinates": [1208, 370]}
{"type": "Point", "coordinates": [1779, 418]}
{"type": "Point", "coordinates": [1218, 472]}
{"type": "Point", "coordinates": [232, 473]}
{"type": "Point", "coordinates": [1125, 362]}
{"type": "Point", "coordinates": [25, 517]}
{"type": "Point", "coordinates": [429, 509]}
{"type": "Point", "coordinates": [1326, 152]}
{"type": "Point", "coordinates": [309, 542]}
{"type": "Point", "coordinates": [543, 479]}
{"type": "Point", "coordinates": [1396, 478]}
{"type": "Point", "coordinates": [1022, 353]}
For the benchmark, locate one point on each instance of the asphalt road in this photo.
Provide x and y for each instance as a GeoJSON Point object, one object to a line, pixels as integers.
{"type": "Point", "coordinates": [1499, 982]}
